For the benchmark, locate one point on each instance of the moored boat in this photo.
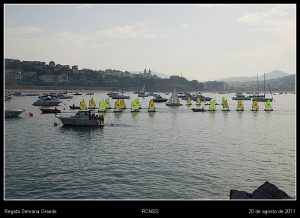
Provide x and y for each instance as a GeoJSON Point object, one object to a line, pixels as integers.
{"type": "Point", "coordinates": [10, 112]}
{"type": "Point", "coordinates": [174, 100]}
{"type": "Point", "coordinates": [268, 106]}
{"type": "Point", "coordinates": [240, 106]}
{"type": "Point", "coordinates": [159, 99]}
{"type": "Point", "coordinates": [50, 110]}
{"type": "Point", "coordinates": [82, 118]}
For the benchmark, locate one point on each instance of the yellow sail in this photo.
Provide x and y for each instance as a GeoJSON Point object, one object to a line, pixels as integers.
{"type": "Point", "coordinates": [92, 102]}
{"type": "Point", "coordinates": [198, 101]}
{"type": "Point", "coordinates": [82, 105]}
{"type": "Point", "coordinates": [225, 104]}
{"type": "Point", "coordinates": [240, 106]}
{"type": "Point", "coordinates": [255, 105]}
{"type": "Point", "coordinates": [122, 103]}
{"type": "Point", "coordinates": [189, 101]}
{"type": "Point", "coordinates": [118, 105]}
{"type": "Point", "coordinates": [151, 104]}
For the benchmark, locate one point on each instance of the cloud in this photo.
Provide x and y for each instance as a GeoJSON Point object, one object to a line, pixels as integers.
{"type": "Point", "coordinates": [272, 16]}
{"type": "Point", "coordinates": [141, 30]}
{"type": "Point", "coordinates": [22, 30]}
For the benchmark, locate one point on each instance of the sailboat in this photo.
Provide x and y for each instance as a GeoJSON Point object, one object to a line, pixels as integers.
{"type": "Point", "coordinates": [92, 103]}
{"type": "Point", "coordinates": [102, 106]}
{"type": "Point", "coordinates": [82, 105]}
{"type": "Point", "coordinates": [212, 105]}
{"type": "Point", "coordinates": [118, 106]}
{"type": "Point", "coordinates": [240, 106]}
{"type": "Point", "coordinates": [142, 93]}
{"type": "Point", "coordinates": [107, 104]}
{"type": "Point", "coordinates": [151, 107]}
{"type": "Point", "coordinates": [135, 106]}
{"type": "Point", "coordinates": [223, 100]}
{"type": "Point", "coordinates": [262, 98]}
{"type": "Point", "coordinates": [139, 103]}
{"type": "Point", "coordinates": [225, 105]}
{"type": "Point", "coordinates": [123, 105]}
{"type": "Point", "coordinates": [173, 100]}
{"type": "Point", "coordinates": [268, 106]}
{"type": "Point", "coordinates": [188, 102]}
{"type": "Point", "coordinates": [198, 103]}
{"type": "Point", "coordinates": [255, 106]}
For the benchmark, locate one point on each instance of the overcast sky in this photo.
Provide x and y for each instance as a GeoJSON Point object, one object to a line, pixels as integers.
{"type": "Point", "coordinates": [203, 42]}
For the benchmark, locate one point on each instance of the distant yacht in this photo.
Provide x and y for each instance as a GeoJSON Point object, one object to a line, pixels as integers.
{"type": "Point", "coordinates": [173, 100]}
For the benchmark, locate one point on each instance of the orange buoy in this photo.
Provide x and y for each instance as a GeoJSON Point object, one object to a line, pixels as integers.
{"type": "Point", "coordinates": [30, 114]}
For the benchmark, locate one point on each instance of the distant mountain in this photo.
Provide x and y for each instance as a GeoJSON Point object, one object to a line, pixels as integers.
{"type": "Point", "coordinates": [271, 75]}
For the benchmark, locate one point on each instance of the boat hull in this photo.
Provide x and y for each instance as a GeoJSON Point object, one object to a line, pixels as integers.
{"type": "Point", "coordinates": [173, 105]}
{"type": "Point", "coordinates": [160, 100]}
{"type": "Point", "coordinates": [48, 111]}
{"type": "Point", "coordinates": [79, 122]}
{"type": "Point", "coordinates": [151, 110]}
{"type": "Point", "coordinates": [12, 113]}
{"type": "Point", "coordinates": [239, 109]}
{"type": "Point", "coordinates": [40, 103]}
{"type": "Point", "coordinates": [198, 110]}
{"type": "Point", "coordinates": [268, 109]}
{"type": "Point", "coordinates": [254, 110]}
{"type": "Point", "coordinates": [227, 109]}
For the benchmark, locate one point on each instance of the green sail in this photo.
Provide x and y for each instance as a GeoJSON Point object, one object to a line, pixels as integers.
{"type": "Point", "coordinates": [268, 105]}
{"type": "Point", "coordinates": [107, 103]}
{"type": "Point", "coordinates": [138, 102]}
{"type": "Point", "coordinates": [102, 105]}
{"type": "Point", "coordinates": [212, 105]}
{"type": "Point", "coordinates": [134, 105]}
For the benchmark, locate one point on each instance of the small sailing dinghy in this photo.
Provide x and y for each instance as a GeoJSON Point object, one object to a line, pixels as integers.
{"type": "Point", "coordinates": [123, 105]}
{"type": "Point", "coordinates": [118, 106]}
{"type": "Point", "coordinates": [225, 105]}
{"type": "Point", "coordinates": [223, 100]}
{"type": "Point", "coordinates": [198, 103]}
{"type": "Point", "coordinates": [92, 103]}
{"type": "Point", "coordinates": [188, 102]}
{"type": "Point", "coordinates": [135, 107]}
{"type": "Point", "coordinates": [268, 106]}
{"type": "Point", "coordinates": [82, 105]}
{"type": "Point", "coordinates": [102, 106]}
{"type": "Point", "coordinates": [240, 106]}
{"type": "Point", "coordinates": [212, 105]}
{"type": "Point", "coordinates": [255, 106]}
{"type": "Point", "coordinates": [173, 100]}
{"type": "Point", "coordinates": [107, 104]}
{"type": "Point", "coordinates": [151, 107]}
{"type": "Point", "coordinates": [139, 103]}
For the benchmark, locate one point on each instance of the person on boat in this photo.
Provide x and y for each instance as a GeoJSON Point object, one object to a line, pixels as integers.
{"type": "Point", "coordinates": [101, 118]}
{"type": "Point", "coordinates": [55, 108]}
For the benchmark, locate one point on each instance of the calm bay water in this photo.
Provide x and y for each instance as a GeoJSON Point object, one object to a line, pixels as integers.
{"type": "Point", "coordinates": [171, 154]}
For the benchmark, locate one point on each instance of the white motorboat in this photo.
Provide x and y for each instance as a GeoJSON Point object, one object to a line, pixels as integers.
{"type": "Point", "coordinates": [47, 101]}
{"type": "Point", "coordinates": [82, 118]}
{"type": "Point", "coordinates": [9, 112]}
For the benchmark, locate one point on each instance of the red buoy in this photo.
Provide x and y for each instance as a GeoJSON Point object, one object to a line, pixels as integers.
{"type": "Point", "coordinates": [30, 114]}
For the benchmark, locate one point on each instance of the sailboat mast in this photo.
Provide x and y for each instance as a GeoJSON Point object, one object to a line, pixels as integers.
{"type": "Point", "coordinates": [264, 85]}
{"type": "Point", "coordinates": [257, 85]}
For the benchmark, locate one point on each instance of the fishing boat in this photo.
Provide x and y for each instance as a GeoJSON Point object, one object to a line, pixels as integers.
{"type": "Point", "coordinates": [240, 106]}
{"type": "Point", "coordinates": [102, 106]}
{"type": "Point", "coordinates": [173, 100]}
{"type": "Point", "coordinates": [151, 107]}
{"type": "Point", "coordinates": [268, 106]}
{"type": "Point", "coordinates": [11, 112]}
{"type": "Point", "coordinates": [255, 106]}
{"type": "Point", "coordinates": [50, 110]}
{"type": "Point", "coordinates": [82, 118]}
{"type": "Point", "coordinates": [92, 104]}
{"type": "Point", "coordinates": [225, 105]}
{"type": "Point", "coordinates": [189, 102]}
{"type": "Point", "coordinates": [212, 105]}
{"type": "Point", "coordinates": [48, 101]}
{"type": "Point", "coordinates": [118, 106]}
{"type": "Point", "coordinates": [135, 107]}
{"type": "Point", "coordinates": [159, 99]}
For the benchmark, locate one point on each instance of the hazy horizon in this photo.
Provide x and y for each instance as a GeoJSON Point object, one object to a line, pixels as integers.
{"type": "Point", "coordinates": [201, 41]}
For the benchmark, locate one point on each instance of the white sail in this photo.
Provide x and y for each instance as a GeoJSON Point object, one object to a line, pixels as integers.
{"type": "Point", "coordinates": [174, 98]}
